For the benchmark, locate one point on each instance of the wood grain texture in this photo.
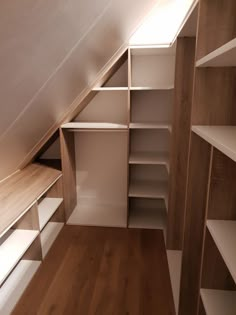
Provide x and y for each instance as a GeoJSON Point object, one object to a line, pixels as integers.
{"type": "Point", "coordinates": [101, 271]}
{"type": "Point", "coordinates": [199, 162]}
{"type": "Point", "coordinates": [214, 97]}
{"type": "Point", "coordinates": [68, 170]}
{"type": "Point", "coordinates": [216, 25]}
{"type": "Point", "coordinates": [56, 191]}
{"type": "Point", "coordinates": [222, 197]}
{"type": "Point", "coordinates": [181, 129]}
{"type": "Point", "coordinates": [19, 191]}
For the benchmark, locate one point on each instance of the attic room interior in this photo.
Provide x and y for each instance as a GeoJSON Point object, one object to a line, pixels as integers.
{"type": "Point", "coordinates": [118, 144]}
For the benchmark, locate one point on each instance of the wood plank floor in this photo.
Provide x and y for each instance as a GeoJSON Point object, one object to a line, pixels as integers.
{"type": "Point", "coordinates": [102, 271]}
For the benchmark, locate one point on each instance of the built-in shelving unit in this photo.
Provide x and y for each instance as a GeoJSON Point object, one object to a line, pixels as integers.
{"type": "Point", "coordinates": [46, 208]}
{"type": "Point", "coordinates": [14, 287]}
{"type": "Point", "coordinates": [13, 248]}
{"type": "Point", "coordinates": [48, 236]}
{"type": "Point", "coordinates": [218, 302]}
{"type": "Point", "coordinates": [29, 200]}
{"type": "Point", "coordinates": [73, 126]}
{"type": "Point", "coordinates": [210, 220]}
{"type": "Point", "coordinates": [224, 56]}
{"type": "Point", "coordinates": [220, 137]}
{"type": "Point", "coordinates": [224, 235]}
{"type": "Point", "coordinates": [151, 97]}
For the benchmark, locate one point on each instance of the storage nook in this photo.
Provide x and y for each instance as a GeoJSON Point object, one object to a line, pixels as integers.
{"type": "Point", "coordinates": [32, 215]}
{"type": "Point", "coordinates": [119, 145]}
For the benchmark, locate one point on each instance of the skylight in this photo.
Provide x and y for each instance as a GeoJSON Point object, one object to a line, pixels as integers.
{"type": "Point", "coordinates": [163, 23]}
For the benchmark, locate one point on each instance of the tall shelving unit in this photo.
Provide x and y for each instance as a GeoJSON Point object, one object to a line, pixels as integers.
{"type": "Point", "coordinates": [32, 215]}
{"type": "Point", "coordinates": [151, 98]}
{"type": "Point", "coordinates": [125, 130]}
{"type": "Point", "coordinates": [208, 283]}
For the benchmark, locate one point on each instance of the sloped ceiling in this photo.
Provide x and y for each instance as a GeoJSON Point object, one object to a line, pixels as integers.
{"type": "Point", "coordinates": [49, 52]}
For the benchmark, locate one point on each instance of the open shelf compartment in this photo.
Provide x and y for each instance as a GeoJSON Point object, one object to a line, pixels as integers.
{"type": "Point", "coordinates": [46, 208]}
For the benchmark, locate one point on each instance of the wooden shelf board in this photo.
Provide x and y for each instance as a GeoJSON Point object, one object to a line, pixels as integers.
{"type": "Point", "coordinates": [224, 56]}
{"type": "Point", "coordinates": [153, 158]}
{"type": "Point", "coordinates": [111, 88]}
{"type": "Point", "coordinates": [224, 235]}
{"type": "Point", "coordinates": [220, 137]}
{"type": "Point", "coordinates": [20, 191]}
{"type": "Point", "coordinates": [15, 285]}
{"type": "Point", "coordinates": [98, 215]}
{"type": "Point", "coordinates": [141, 218]}
{"type": "Point", "coordinates": [46, 208]}
{"type": "Point", "coordinates": [148, 189]}
{"type": "Point", "coordinates": [174, 258]}
{"type": "Point", "coordinates": [150, 126]}
{"type": "Point", "coordinates": [74, 126]}
{"type": "Point", "coordinates": [12, 248]}
{"type": "Point", "coordinates": [218, 302]}
{"type": "Point", "coordinates": [49, 234]}
{"type": "Point", "coordinates": [147, 88]}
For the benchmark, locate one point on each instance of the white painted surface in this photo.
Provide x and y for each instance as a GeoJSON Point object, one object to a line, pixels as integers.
{"type": "Point", "coordinates": [224, 56]}
{"type": "Point", "coordinates": [101, 176]}
{"type": "Point", "coordinates": [220, 137]}
{"type": "Point", "coordinates": [49, 235]}
{"type": "Point", "coordinates": [224, 235]}
{"type": "Point", "coordinates": [17, 282]}
{"type": "Point", "coordinates": [141, 125]}
{"type": "Point", "coordinates": [51, 52]}
{"type": "Point", "coordinates": [46, 208]}
{"type": "Point", "coordinates": [119, 78]}
{"type": "Point", "coordinates": [108, 106]}
{"type": "Point", "coordinates": [159, 158]}
{"type": "Point", "coordinates": [219, 302]}
{"type": "Point", "coordinates": [97, 125]}
{"type": "Point", "coordinates": [152, 71]}
{"type": "Point", "coordinates": [13, 245]}
{"type": "Point", "coordinates": [110, 88]}
{"type": "Point", "coordinates": [174, 261]}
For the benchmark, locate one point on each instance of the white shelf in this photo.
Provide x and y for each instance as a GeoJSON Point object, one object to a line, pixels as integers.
{"type": "Point", "coordinates": [46, 208]}
{"type": "Point", "coordinates": [49, 234]}
{"type": "Point", "coordinates": [224, 235]}
{"type": "Point", "coordinates": [147, 88]}
{"type": "Point", "coordinates": [224, 56]}
{"type": "Point", "coordinates": [153, 158]}
{"type": "Point", "coordinates": [13, 248]}
{"type": "Point", "coordinates": [109, 215]}
{"type": "Point", "coordinates": [14, 287]}
{"type": "Point", "coordinates": [142, 218]}
{"type": "Point", "coordinates": [174, 261]}
{"type": "Point", "coordinates": [149, 126]}
{"type": "Point", "coordinates": [218, 302]}
{"type": "Point", "coordinates": [148, 189]}
{"type": "Point", "coordinates": [220, 137]}
{"type": "Point", "coordinates": [93, 126]}
{"type": "Point", "coordinates": [111, 89]}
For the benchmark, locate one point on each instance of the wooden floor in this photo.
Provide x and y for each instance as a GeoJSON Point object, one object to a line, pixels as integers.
{"type": "Point", "coordinates": [104, 271]}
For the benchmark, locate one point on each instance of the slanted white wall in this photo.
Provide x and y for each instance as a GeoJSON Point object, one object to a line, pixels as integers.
{"type": "Point", "coordinates": [50, 52]}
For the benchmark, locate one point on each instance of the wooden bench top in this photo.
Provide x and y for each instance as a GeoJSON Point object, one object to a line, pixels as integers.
{"type": "Point", "coordinates": [20, 191]}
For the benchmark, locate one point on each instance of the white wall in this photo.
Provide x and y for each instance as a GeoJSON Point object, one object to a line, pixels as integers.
{"type": "Point", "coordinates": [50, 51]}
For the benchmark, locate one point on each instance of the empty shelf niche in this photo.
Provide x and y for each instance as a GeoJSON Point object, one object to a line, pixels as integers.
{"type": "Point", "coordinates": [15, 285]}
{"type": "Point", "coordinates": [148, 181]}
{"type": "Point", "coordinates": [147, 213]}
{"type": "Point", "coordinates": [46, 208]}
{"type": "Point", "coordinates": [153, 69]}
{"type": "Point", "coordinates": [49, 234]}
{"type": "Point", "coordinates": [106, 107]}
{"type": "Point", "coordinates": [151, 108]}
{"type": "Point", "coordinates": [13, 246]}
